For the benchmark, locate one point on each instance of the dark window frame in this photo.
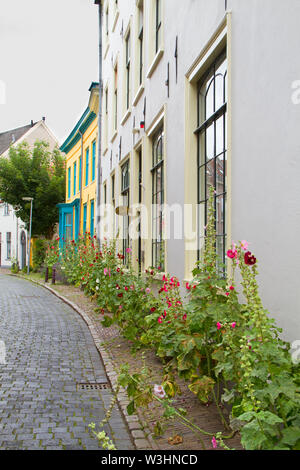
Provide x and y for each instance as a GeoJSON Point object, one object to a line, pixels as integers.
{"type": "Point", "coordinates": [158, 243]}
{"type": "Point", "coordinates": [125, 193]}
{"type": "Point", "coordinates": [204, 164]}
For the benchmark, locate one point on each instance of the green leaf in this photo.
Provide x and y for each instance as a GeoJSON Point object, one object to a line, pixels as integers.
{"type": "Point", "coordinates": [269, 418]}
{"type": "Point", "coordinates": [131, 408]}
{"type": "Point", "coordinates": [291, 435]}
{"type": "Point", "coordinates": [252, 437]}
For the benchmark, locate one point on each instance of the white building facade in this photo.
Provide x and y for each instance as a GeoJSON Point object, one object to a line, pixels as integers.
{"type": "Point", "coordinates": [13, 234]}
{"type": "Point", "coordinates": [199, 93]}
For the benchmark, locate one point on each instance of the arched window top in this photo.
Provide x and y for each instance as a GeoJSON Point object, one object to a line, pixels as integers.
{"type": "Point", "coordinates": [158, 147]}
{"type": "Point", "coordinates": [213, 89]}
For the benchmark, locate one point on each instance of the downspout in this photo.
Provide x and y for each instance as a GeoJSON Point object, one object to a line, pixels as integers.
{"type": "Point", "coordinates": [99, 170]}
{"type": "Point", "coordinates": [81, 134]}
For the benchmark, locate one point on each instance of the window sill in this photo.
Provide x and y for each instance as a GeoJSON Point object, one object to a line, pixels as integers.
{"type": "Point", "coordinates": [113, 137]}
{"type": "Point", "coordinates": [128, 112]}
{"type": "Point", "coordinates": [106, 51]}
{"type": "Point", "coordinates": [138, 95]}
{"type": "Point", "coordinates": [115, 21]}
{"type": "Point", "coordinates": [155, 63]}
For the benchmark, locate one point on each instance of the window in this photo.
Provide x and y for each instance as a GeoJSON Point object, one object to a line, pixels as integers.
{"type": "Point", "coordinates": [125, 184]}
{"type": "Point", "coordinates": [107, 21]}
{"type": "Point", "coordinates": [141, 41]}
{"type": "Point", "coordinates": [116, 98]}
{"type": "Point", "coordinates": [6, 209]}
{"type": "Point", "coordinates": [8, 245]}
{"type": "Point", "coordinates": [68, 232]}
{"type": "Point", "coordinates": [69, 182]}
{"type": "Point", "coordinates": [106, 118]}
{"type": "Point", "coordinates": [127, 40]}
{"type": "Point", "coordinates": [74, 178]}
{"type": "Point", "coordinates": [105, 194]}
{"type": "Point", "coordinates": [93, 161]}
{"type": "Point", "coordinates": [84, 218]}
{"type": "Point", "coordinates": [157, 199]}
{"type": "Point", "coordinates": [212, 150]}
{"type": "Point", "coordinates": [80, 173]}
{"type": "Point", "coordinates": [113, 200]}
{"type": "Point", "coordinates": [92, 224]}
{"type": "Point", "coordinates": [87, 157]}
{"type": "Point", "coordinates": [158, 25]}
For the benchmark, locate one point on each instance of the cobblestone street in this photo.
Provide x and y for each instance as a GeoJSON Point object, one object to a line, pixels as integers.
{"type": "Point", "coordinates": [49, 350]}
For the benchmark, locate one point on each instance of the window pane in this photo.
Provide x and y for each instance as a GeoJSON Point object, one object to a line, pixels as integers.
{"type": "Point", "coordinates": [210, 142]}
{"type": "Point", "coordinates": [220, 215]}
{"type": "Point", "coordinates": [210, 175]}
{"type": "Point", "coordinates": [201, 220]}
{"type": "Point", "coordinates": [201, 180]}
{"type": "Point", "coordinates": [209, 100]}
{"type": "Point", "coordinates": [220, 135]}
{"type": "Point", "coordinates": [219, 87]}
{"type": "Point", "coordinates": [220, 174]}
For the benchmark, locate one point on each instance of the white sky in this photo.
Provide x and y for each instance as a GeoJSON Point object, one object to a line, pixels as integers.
{"type": "Point", "coordinates": [48, 59]}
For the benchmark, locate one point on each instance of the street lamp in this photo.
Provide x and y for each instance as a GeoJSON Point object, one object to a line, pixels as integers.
{"type": "Point", "coordinates": [30, 224]}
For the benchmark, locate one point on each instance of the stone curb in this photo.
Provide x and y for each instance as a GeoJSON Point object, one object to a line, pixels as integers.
{"type": "Point", "coordinates": [142, 440]}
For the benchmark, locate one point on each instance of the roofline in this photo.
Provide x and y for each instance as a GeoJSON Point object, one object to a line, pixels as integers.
{"type": "Point", "coordinates": [86, 119]}
{"type": "Point", "coordinates": [29, 131]}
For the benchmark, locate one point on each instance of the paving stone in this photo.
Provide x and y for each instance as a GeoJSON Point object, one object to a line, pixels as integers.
{"type": "Point", "coordinates": [49, 349]}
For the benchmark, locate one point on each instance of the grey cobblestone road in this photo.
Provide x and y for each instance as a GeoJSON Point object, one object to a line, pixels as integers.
{"type": "Point", "coordinates": [49, 349]}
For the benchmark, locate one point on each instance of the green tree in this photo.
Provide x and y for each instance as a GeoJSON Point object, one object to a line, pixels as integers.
{"type": "Point", "coordinates": [34, 172]}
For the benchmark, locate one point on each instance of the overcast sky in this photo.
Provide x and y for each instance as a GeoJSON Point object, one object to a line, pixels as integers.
{"type": "Point", "coordinates": [48, 59]}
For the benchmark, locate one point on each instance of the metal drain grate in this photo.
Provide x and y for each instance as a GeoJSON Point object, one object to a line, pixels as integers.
{"type": "Point", "coordinates": [91, 387]}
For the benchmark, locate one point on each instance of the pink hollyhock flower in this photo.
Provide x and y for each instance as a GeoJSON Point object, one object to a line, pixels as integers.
{"type": "Point", "coordinates": [159, 391]}
{"type": "Point", "coordinates": [169, 304]}
{"type": "Point", "coordinates": [219, 326]}
{"type": "Point", "coordinates": [165, 314]}
{"type": "Point", "coordinates": [105, 271]}
{"type": "Point", "coordinates": [128, 250]}
{"type": "Point", "coordinates": [165, 288]}
{"type": "Point", "coordinates": [232, 254]}
{"type": "Point", "coordinates": [244, 245]}
{"type": "Point", "coordinates": [164, 278]}
{"type": "Point", "coordinates": [132, 287]}
{"type": "Point", "coordinates": [231, 288]}
{"type": "Point", "coordinates": [148, 290]}
{"type": "Point", "coordinates": [188, 287]}
{"type": "Point", "coordinates": [184, 317]}
{"type": "Point", "coordinates": [214, 442]}
{"type": "Point", "coordinates": [126, 288]}
{"type": "Point", "coordinates": [227, 293]}
{"type": "Point", "coordinates": [233, 325]}
{"type": "Point", "coordinates": [160, 320]}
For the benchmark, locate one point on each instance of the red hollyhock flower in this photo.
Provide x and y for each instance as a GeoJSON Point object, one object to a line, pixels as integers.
{"type": "Point", "coordinates": [153, 309]}
{"type": "Point", "coordinates": [250, 260]}
{"type": "Point", "coordinates": [120, 295]}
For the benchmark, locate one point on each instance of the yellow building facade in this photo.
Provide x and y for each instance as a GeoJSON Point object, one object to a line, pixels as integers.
{"type": "Point", "coordinates": [77, 214]}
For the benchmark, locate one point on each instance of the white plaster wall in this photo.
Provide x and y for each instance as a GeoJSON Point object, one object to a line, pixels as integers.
{"type": "Point", "coordinates": [265, 129]}
{"type": "Point", "coordinates": [266, 149]}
